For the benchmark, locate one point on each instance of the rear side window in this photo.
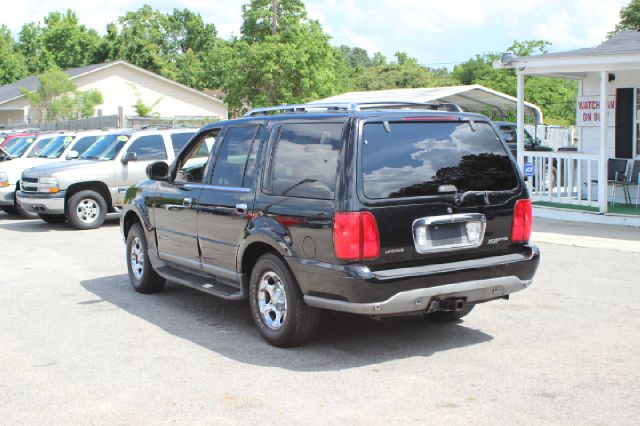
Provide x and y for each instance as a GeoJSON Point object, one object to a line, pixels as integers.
{"type": "Point", "coordinates": [179, 140]}
{"type": "Point", "coordinates": [233, 156]}
{"type": "Point", "coordinates": [305, 160]}
{"type": "Point", "coordinates": [413, 159]}
{"type": "Point", "coordinates": [149, 147]}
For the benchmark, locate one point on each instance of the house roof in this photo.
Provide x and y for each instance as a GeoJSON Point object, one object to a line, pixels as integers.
{"type": "Point", "coordinates": [622, 43]}
{"type": "Point", "coordinates": [12, 91]}
{"type": "Point", "coordinates": [471, 98]}
{"type": "Point", "coordinates": [619, 53]}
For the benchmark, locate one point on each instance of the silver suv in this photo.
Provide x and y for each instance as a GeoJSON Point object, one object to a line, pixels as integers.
{"type": "Point", "coordinates": [84, 191]}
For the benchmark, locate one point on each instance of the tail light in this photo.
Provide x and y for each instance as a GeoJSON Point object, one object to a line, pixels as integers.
{"type": "Point", "coordinates": [522, 221]}
{"type": "Point", "coordinates": [355, 236]}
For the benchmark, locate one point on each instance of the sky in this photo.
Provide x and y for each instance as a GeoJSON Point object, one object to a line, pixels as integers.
{"type": "Point", "coordinates": [438, 33]}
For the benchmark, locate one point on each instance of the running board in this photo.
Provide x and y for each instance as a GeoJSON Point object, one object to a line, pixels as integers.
{"type": "Point", "coordinates": [205, 284]}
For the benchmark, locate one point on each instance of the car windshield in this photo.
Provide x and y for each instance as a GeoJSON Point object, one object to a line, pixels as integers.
{"type": "Point", "coordinates": [39, 146]}
{"type": "Point", "coordinates": [21, 146]}
{"type": "Point", "coordinates": [106, 147]}
{"type": "Point", "coordinates": [13, 142]}
{"type": "Point", "coordinates": [56, 147]}
{"type": "Point", "coordinates": [413, 159]}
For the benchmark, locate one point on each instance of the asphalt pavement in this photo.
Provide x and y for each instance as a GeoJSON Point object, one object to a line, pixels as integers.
{"type": "Point", "coordinates": [78, 345]}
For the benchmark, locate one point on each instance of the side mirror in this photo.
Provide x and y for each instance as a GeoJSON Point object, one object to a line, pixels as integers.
{"type": "Point", "coordinates": [73, 155]}
{"type": "Point", "coordinates": [129, 156]}
{"type": "Point", "coordinates": [158, 171]}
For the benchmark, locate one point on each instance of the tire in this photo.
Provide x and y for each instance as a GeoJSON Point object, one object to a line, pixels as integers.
{"type": "Point", "coordinates": [53, 218]}
{"type": "Point", "coordinates": [446, 316]}
{"type": "Point", "coordinates": [299, 322]}
{"type": "Point", "coordinates": [143, 277]}
{"type": "Point", "coordinates": [22, 212]}
{"type": "Point", "coordinates": [9, 209]}
{"type": "Point", "coordinates": [86, 210]}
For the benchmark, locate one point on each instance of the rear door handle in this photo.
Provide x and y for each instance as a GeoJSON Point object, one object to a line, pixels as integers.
{"type": "Point", "coordinates": [241, 208]}
{"type": "Point", "coordinates": [187, 202]}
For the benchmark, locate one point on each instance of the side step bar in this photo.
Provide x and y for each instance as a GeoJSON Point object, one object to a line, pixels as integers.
{"type": "Point", "coordinates": [205, 284]}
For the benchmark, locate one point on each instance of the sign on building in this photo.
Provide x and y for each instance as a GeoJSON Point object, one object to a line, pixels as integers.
{"type": "Point", "coordinates": [588, 111]}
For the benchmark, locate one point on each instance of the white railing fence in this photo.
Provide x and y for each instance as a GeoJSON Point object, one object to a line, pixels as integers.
{"type": "Point", "coordinates": [564, 177]}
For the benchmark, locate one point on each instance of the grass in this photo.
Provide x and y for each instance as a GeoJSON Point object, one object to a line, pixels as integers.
{"type": "Point", "coordinates": [625, 209]}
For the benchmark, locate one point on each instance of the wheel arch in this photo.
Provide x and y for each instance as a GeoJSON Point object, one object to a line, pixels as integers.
{"type": "Point", "coordinates": [97, 186]}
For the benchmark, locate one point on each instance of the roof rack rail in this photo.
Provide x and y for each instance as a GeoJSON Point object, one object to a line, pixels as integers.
{"type": "Point", "coordinates": [348, 106]}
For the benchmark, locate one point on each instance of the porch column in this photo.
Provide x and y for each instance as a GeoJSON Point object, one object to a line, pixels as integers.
{"type": "Point", "coordinates": [520, 119]}
{"type": "Point", "coordinates": [603, 187]}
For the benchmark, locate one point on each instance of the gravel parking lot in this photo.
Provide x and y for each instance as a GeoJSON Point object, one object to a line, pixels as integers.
{"type": "Point", "coordinates": [78, 345]}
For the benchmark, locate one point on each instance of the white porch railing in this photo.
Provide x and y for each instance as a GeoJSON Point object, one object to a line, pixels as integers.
{"type": "Point", "coordinates": [564, 177]}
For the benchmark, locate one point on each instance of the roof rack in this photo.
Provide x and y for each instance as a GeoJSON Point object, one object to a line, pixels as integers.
{"type": "Point", "coordinates": [351, 107]}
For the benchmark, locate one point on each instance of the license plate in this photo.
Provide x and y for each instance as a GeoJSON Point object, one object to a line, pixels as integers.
{"type": "Point", "coordinates": [448, 232]}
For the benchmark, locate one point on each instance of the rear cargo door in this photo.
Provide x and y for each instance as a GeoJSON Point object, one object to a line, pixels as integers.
{"type": "Point", "coordinates": [440, 189]}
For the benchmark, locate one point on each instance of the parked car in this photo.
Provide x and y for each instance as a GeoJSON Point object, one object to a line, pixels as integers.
{"type": "Point", "coordinates": [26, 145]}
{"type": "Point", "coordinates": [368, 210]}
{"type": "Point", "coordinates": [9, 139]}
{"type": "Point", "coordinates": [509, 132]}
{"type": "Point", "coordinates": [83, 192]}
{"type": "Point", "coordinates": [60, 147]}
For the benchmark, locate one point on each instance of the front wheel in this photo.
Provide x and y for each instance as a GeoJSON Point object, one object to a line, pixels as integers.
{"type": "Point", "coordinates": [53, 218]}
{"type": "Point", "coordinates": [143, 277]}
{"type": "Point", "coordinates": [86, 210]}
{"type": "Point", "coordinates": [277, 306]}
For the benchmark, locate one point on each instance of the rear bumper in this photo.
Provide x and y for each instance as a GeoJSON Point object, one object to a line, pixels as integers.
{"type": "Point", "coordinates": [357, 289]}
{"type": "Point", "coordinates": [7, 194]}
{"type": "Point", "coordinates": [41, 203]}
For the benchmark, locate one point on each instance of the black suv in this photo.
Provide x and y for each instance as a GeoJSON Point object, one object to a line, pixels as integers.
{"type": "Point", "coordinates": [372, 209]}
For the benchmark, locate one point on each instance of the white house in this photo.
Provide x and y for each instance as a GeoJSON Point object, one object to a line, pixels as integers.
{"type": "Point", "coordinates": [607, 121]}
{"type": "Point", "coordinates": [121, 84]}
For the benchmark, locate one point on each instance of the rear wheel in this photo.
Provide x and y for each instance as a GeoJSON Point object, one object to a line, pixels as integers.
{"type": "Point", "coordinates": [277, 306]}
{"type": "Point", "coordinates": [143, 277]}
{"type": "Point", "coordinates": [86, 210]}
{"type": "Point", "coordinates": [450, 315]}
{"type": "Point", "coordinates": [53, 218]}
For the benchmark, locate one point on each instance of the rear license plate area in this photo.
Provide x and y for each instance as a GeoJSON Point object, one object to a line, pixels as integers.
{"type": "Point", "coordinates": [449, 232]}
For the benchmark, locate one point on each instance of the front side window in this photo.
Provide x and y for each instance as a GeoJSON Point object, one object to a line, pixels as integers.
{"type": "Point", "coordinates": [105, 148]}
{"type": "Point", "coordinates": [233, 156]}
{"type": "Point", "coordinates": [305, 160]}
{"type": "Point", "coordinates": [193, 164]}
{"type": "Point", "coordinates": [149, 147]}
{"type": "Point", "coordinates": [413, 159]}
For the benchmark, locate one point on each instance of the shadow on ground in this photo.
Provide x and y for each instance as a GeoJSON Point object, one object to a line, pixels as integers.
{"type": "Point", "coordinates": [344, 341]}
{"type": "Point", "coordinates": [19, 224]}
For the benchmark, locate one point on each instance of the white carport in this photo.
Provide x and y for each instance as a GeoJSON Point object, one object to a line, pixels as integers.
{"type": "Point", "coordinates": [602, 73]}
{"type": "Point", "coordinates": [471, 98]}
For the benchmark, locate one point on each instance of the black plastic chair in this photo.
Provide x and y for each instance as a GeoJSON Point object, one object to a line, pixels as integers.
{"type": "Point", "coordinates": [634, 179]}
{"type": "Point", "coordinates": [616, 175]}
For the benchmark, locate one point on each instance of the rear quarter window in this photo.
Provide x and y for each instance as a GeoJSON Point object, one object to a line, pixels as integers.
{"type": "Point", "coordinates": [413, 159]}
{"type": "Point", "coordinates": [305, 160]}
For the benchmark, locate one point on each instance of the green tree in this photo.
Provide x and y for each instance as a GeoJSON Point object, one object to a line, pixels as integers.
{"type": "Point", "coordinates": [629, 18]}
{"type": "Point", "coordinates": [57, 98]}
{"type": "Point", "coordinates": [12, 63]}
{"type": "Point", "coordinates": [62, 41]}
{"type": "Point", "coordinates": [257, 18]}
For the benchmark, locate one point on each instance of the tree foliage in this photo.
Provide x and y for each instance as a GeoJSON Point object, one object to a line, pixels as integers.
{"type": "Point", "coordinates": [12, 64]}
{"type": "Point", "coordinates": [57, 98]}
{"type": "Point", "coordinates": [629, 18]}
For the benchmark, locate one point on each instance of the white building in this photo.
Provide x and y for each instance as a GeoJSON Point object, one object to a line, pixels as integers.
{"type": "Point", "coordinates": [121, 84]}
{"type": "Point", "coordinates": [607, 122]}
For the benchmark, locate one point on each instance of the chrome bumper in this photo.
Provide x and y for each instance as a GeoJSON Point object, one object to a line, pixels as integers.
{"type": "Point", "coordinates": [7, 194]}
{"type": "Point", "coordinates": [40, 203]}
{"type": "Point", "coordinates": [418, 299]}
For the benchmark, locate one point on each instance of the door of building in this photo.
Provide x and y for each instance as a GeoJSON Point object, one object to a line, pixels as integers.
{"type": "Point", "coordinates": [625, 107]}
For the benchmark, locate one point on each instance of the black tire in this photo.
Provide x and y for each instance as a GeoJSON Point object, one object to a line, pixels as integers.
{"type": "Point", "coordinates": [450, 315]}
{"type": "Point", "coordinates": [9, 209]}
{"type": "Point", "coordinates": [86, 199]}
{"type": "Point", "coordinates": [300, 320]}
{"type": "Point", "coordinates": [22, 212]}
{"type": "Point", "coordinates": [147, 280]}
{"type": "Point", "coordinates": [53, 218]}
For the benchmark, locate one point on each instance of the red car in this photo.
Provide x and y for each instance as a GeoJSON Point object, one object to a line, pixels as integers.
{"type": "Point", "coordinates": [4, 140]}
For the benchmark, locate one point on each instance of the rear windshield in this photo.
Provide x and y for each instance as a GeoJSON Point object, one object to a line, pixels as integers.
{"type": "Point", "coordinates": [413, 159]}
